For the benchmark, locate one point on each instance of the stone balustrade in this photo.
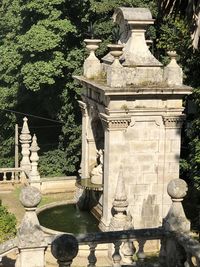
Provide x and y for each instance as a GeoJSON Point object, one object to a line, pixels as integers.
{"type": "Point", "coordinates": [14, 175]}
{"type": "Point", "coordinates": [178, 248]}
{"type": "Point", "coordinates": [29, 162]}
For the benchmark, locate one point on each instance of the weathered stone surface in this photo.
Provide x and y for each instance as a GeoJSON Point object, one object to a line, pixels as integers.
{"type": "Point", "coordinates": [141, 124]}
{"type": "Point", "coordinates": [25, 140]}
{"type": "Point", "coordinates": [176, 219]}
{"type": "Point", "coordinates": [92, 66]}
{"type": "Point", "coordinates": [173, 73]}
{"type": "Point", "coordinates": [64, 248]}
{"type": "Point", "coordinates": [30, 197]}
{"type": "Point", "coordinates": [31, 241]}
{"type": "Point", "coordinates": [116, 76]}
{"type": "Point", "coordinates": [177, 189]}
{"type": "Point", "coordinates": [34, 174]}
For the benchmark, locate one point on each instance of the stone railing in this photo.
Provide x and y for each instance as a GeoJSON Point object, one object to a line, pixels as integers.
{"type": "Point", "coordinates": [13, 175]}
{"type": "Point", "coordinates": [119, 250]}
{"type": "Point", "coordinates": [178, 248]}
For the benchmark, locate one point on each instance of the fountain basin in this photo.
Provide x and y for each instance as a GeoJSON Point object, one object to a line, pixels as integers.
{"type": "Point", "coordinates": [66, 217]}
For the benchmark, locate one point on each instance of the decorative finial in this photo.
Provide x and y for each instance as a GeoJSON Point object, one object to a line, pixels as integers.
{"type": "Point", "coordinates": [92, 65]}
{"type": "Point", "coordinates": [34, 146]}
{"type": "Point", "coordinates": [176, 219]}
{"type": "Point", "coordinates": [64, 248]}
{"type": "Point", "coordinates": [25, 139]}
{"type": "Point", "coordinates": [173, 73]}
{"type": "Point", "coordinates": [120, 220]}
{"type": "Point", "coordinates": [30, 197]}
{"type": "Point", "coordinates": [177, 189]}
{"type": "Point", "coordinates": [34, 174]}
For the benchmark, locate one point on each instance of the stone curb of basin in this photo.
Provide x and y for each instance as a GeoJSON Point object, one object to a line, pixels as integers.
{"type": "Point", "coordinates": [101, 250]}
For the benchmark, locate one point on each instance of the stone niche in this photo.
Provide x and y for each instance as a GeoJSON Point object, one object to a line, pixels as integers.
{"type": "Point", "coordinates": [133, 112]}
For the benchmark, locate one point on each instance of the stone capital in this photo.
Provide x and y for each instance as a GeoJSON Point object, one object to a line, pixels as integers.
{"type": "Point", "coordinates": [115, 123]}
{"type": "Point", "coordinates": [173, 121]}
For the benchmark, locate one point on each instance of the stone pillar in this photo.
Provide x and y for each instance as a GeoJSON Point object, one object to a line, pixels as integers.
{"type": "Point", "coordinates": [173, 74]}
{"type": "Point", "coordinates": [113, 157]}
{"type": "Point", "coordinates": [92, 65]}
{"type": "Point", "coordinates": [115, 73]}
{"type": "Point", "coordinates": [174, 222]}
{"type": "Point", "coordinates": [171, 155]}
{"type": "Point", "coordinates": [31, 239]}
{"type": "Point", "coordinates": [34, 175]}
{"type": "Point", "coordinates": [25, 140]}
{"type": "Point", "coordinates": [84, 156]}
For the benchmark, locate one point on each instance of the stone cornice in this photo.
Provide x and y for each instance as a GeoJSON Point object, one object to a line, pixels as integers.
{"type": "Point", "coordinates": [115, 123]}
{"type": "Point", "coordinates": [173, 121]}
{"type": "Point", "coordinates": [83, 107]}
{"type": "Point", "coordinates": [145, 91]}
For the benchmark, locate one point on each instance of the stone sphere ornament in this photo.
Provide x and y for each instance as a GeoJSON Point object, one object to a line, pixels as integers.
{"type": "Point", "coordinates": [64, 248]}
{"type": "Point", "coordinates": [30, 197]}
{"type": "Point", "coordinates": [177, 189]}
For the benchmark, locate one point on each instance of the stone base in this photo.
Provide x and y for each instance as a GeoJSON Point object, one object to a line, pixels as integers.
{"type": "Point", "coordinates": [97, 211]}
{"type": "Point", "coordinates": [103, 227]}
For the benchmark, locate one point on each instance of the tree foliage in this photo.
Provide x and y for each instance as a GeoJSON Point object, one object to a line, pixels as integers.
{"type": "Point", "coordinates": [41, 46]}
{"type": "Point", "coordinates": [7, 224]}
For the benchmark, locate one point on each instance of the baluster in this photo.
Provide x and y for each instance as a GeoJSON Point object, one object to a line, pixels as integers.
{"type": "Point", "coordinates": [162, 253]}
{"type": "Point", "coordinates": [16, 174]}
{"type": "Point", "coordinates": [140, 254]}
{"type": "Point", "coordinates": [128, 251]}
{"type": "Point", "coordinates": [116, 255]}
{"type": "Point", "coordinates": [4, 176]}
{"type": "Point", "coordinates": [92, 257]}
{"type": "Point", "coordinates": [12, 176]}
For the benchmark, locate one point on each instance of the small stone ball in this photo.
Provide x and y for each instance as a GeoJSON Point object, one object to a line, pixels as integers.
{"type": "Point", "coordinates": [30, 197]}
{"type": "Point", "coordinates": [177, 188]}
{"type": "Point", "coordinates": [64, 248]}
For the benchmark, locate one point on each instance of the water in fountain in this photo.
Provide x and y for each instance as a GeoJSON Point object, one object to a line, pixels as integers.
{"type": "Point", "coordinates": [68, 218]}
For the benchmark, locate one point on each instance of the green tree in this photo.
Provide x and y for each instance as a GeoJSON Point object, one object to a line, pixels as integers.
{"type": "Point", "coordinates": [42, 48]}
{"type": "Point", "coordinates": [175, 34]}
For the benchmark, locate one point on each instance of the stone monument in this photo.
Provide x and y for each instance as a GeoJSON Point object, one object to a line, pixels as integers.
{"type": "Point", "coordinates": [133, 111]}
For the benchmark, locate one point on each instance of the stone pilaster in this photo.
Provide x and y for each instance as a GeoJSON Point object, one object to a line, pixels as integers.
{"type": "Point", "coordinates": [25, 140]}
{"type": "Point", "coordinates": [113, 157]}
{"type": "Point", "coordinates": [84, 156]}
{"type": "Point", "coordinates": [171, 155]}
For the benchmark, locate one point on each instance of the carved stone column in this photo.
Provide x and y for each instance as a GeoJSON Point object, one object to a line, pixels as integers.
{"type": "Point", "coordinates": [114, 128]}
{"type": "Point", "coordinates": [25, 140]}
{"type": "Point", "coordinates": [84, 156]}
